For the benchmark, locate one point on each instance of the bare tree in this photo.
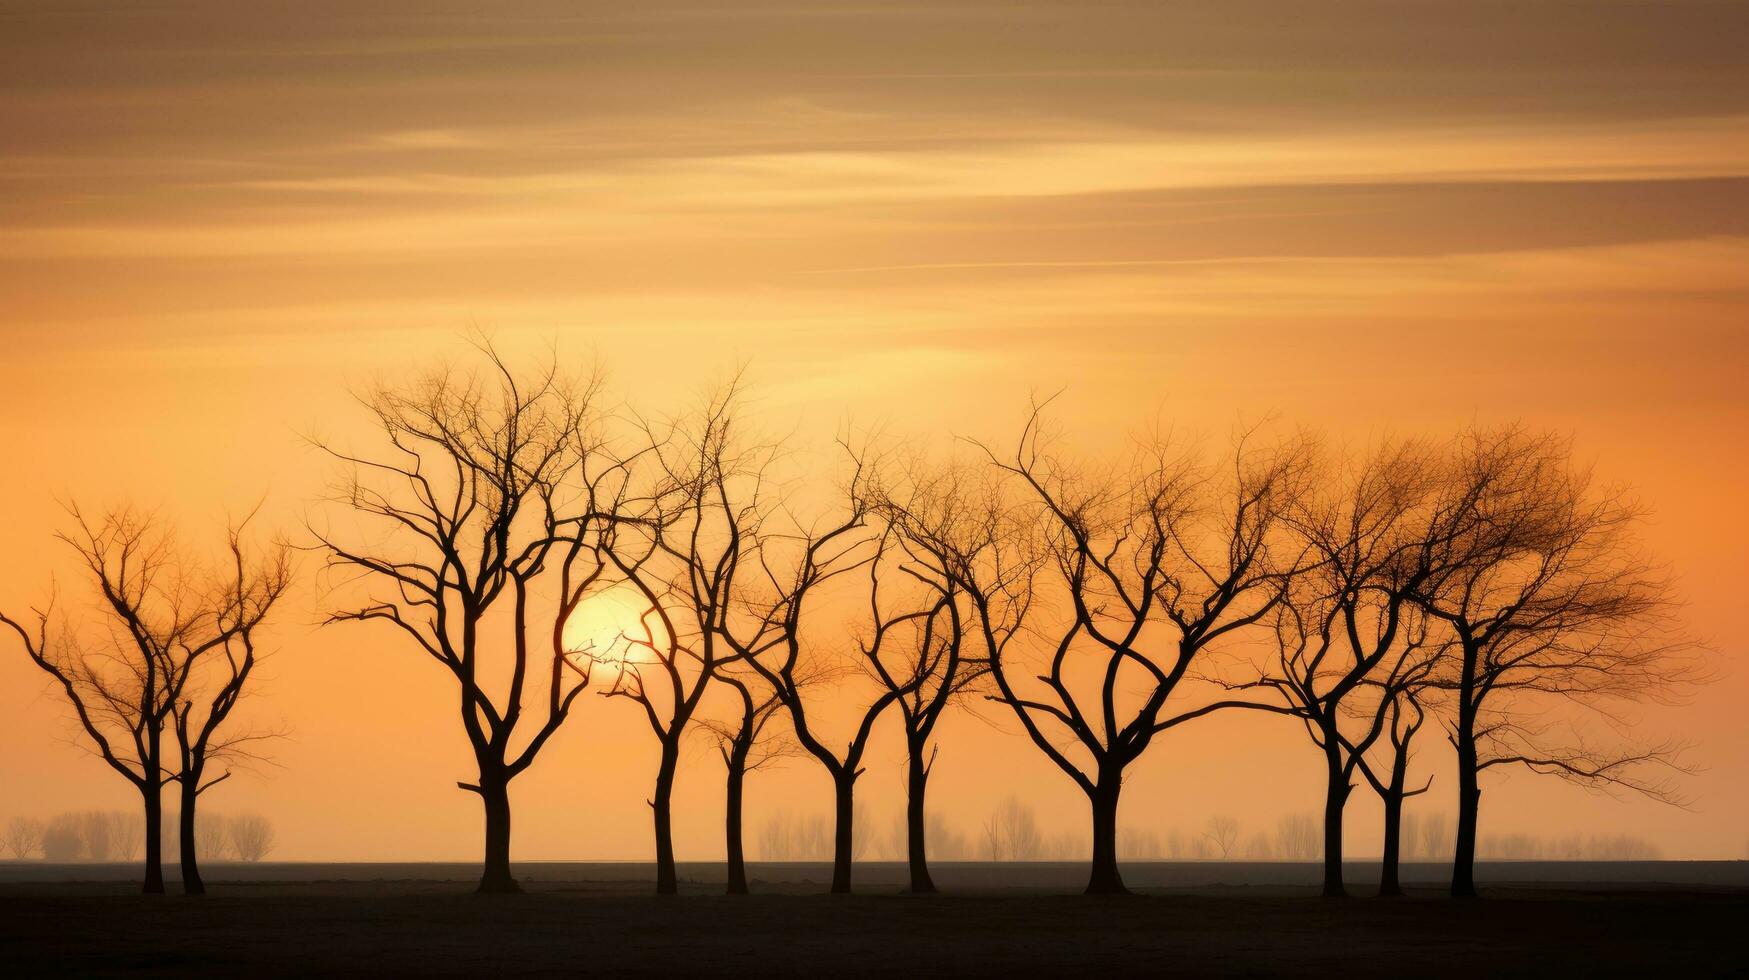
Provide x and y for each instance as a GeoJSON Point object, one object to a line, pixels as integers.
{"type": "Point", "coordinates": [1347, 614]}
{"type": "Point", "coordinates": [1011, 833]}
{"type": "Point", "coordinates": [773, 647]}
{"type": "Point", "coordinates": [220, 681]}
{"type": "Point", "coordinates": [744, 569]}
{"type": "Point", "coordinates": [491, 480]}
{"type": "Point", "coordinates": [24, 838]}
{"type": "Point", "coordinates": [766, 627]}
{"type": "Point", "coordinates": [1222, 833]}
{"type": "Point", "coordinates": [1296, 837]}
{"type": "Point", "coordinates": [683, 556]}
{"type": "Point", "coordinates": [960, 539]}
{"type": "Point", "coordinates": [1551, 603]}
{"type": "Point", "coordinates": [162, 622]}
{"type": "Point", "coordinates": [251, 836]}
{"type": "Point", "coordinates": [212, 835]}
{"type": "Point", "coordinates": [1156, 562]}
{"type": "Point", "coordinates": [124, 834]}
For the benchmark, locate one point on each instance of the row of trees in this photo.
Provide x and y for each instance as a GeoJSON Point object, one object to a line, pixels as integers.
{"type": "Point", "coordinates": [115, 835]}
{"type": "Point", "coordinates": [1484, 583]}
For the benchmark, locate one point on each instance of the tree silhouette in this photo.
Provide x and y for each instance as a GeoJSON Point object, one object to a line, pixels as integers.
{"type": "Point", "coordinates": [1156, 562]}
{"type": "Point", "coordinates": [490, 483]}
{"type": "Point", "coordinates": [1541, 582]}
{"type": "Point", "coordinates": [746, 746]}
{"type": "Point", "coordinates": [960, 540]}
{"type": "Point", "coordinates": [163, 618]}
{"type": "Point", "coordinates": [775, 651]}
{"type": "Point", "coordinates": [683, 554]}
{"type": "Point", "coordinates": [23, 838]}
{"type": "Point", "coordinates": [221, 679]}
{"type": "Point", "coordinates": [1399, 713]}
{"type": "Point", "coordinates": [1222, 834]}
{"type": "Point", "coordinates": [794, 562]}
{"type": "Point", "coordinates": [1361, 536]}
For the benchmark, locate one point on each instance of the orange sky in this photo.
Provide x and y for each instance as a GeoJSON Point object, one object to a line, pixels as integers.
{"type": "Point", "coordinates": [1389, 217]}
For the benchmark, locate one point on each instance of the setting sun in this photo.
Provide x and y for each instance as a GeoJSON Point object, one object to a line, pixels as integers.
{"type": "Point", "coordinates": [613, 626]}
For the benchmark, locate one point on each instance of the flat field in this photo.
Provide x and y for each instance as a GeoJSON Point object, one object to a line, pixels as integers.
{"type": "Point", "coordinates": [1555, 919]}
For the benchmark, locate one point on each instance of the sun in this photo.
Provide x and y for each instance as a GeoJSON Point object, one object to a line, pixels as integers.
{"type": "Point", "coordinates": [603, 626]}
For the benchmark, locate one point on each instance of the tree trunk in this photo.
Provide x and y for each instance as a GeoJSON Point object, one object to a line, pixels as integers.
{"type": "Point", "coordinates": [191, 880]}
{"type": "Point", "coordinates": [153, 796]}
{"type": "Point", "coordinates": [662, 808]}
{"type": "Point", "coordinates": [916, 839]}
{"type": "Point", "coordinates": [1105, 879]}
{"type": "Point", "coordinates": [1335, 798]}
{"type": "Point", "coordinates": [1463, 862]}
{"type": "Point", "coordinates": [732, 819]}
{"type": "Point", "coordinates": [844, 786]}
{"type": "Point", "coordinates": [495, 877]}
{"type": "Point", "coordinates": [1389, 884]}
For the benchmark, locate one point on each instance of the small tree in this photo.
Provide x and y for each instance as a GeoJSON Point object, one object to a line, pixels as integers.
{"type": "Point", "coordinates": [1222, 833]}
{"type": "Point", "coordinates": [1011, 833]}
{"type": "Point", "coordinates": [1296, 837]}
{"type": "Point", "coordinates": [24, 837]}
{"type": "Point", "coordinates": [960, 539]}
{"type": "Point", "coordinates": [251, 836]}
{"type": "Point", "coordinates": [1399, 714]}
{"type": "Point", "coordinates": [214, 689]}
{"type": "Point", "coordinates": [124, 834]}
{"type": "Point", "coordinates": [212, 835]}
{"type": "Point", "coordinates": [97, 831]}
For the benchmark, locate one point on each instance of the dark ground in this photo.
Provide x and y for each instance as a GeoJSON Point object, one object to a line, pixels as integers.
{"type": "Point", "coordinates": [1676, 919]}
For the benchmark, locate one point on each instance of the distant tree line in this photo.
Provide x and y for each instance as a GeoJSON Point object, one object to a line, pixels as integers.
{"type": "Point", "coordinates": [1484, 585]}
{"type": "Point", "coordinates": [114, 835]}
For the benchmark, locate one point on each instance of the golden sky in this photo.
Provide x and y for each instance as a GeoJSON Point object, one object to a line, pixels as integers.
{"type": "Point", "coordinates": [1363, 215]}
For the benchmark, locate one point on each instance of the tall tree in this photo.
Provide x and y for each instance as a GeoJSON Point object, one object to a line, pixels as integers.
{"type": "Point", "coordinates": [1361, 536]}
{"type": "Point", "coordinates": [771, 626]}
{"type": "Point", "coordinates": [774, 648]}
{"type": "Point", "coordinates": [1553, 606]}
{"type": "Point", "coordinates": [493, 484]}
{"type": "Point", "coordinates": [960, 540]}
{"type": "Point", "coordinates": [682, 555]}
{"type": "Point", "coordinates": [1156, 562]}
{"type": "Point", "coordinates": [162, 618]}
